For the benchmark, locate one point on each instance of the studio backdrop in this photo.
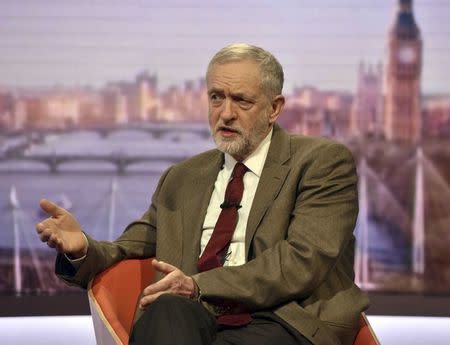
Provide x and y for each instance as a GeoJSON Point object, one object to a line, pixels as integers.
{"type": "Point", "coordinates": [99, 97]}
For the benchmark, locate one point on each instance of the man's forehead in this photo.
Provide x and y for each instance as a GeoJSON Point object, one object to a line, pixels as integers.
{"type": "Point", "coordinates": [240, 75]}
{"type": "Point", "coordinates": [234, 90]}
{"type": "Point", "coordinates": [247, 65]}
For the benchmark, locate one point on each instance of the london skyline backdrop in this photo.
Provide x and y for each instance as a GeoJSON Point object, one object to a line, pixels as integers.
{"type": "Point", "coordinates": [46, 43]}
{"type": "Point", "coordinates": [47, 138]}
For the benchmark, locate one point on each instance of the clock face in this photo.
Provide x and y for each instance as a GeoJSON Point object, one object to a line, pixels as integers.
{"type": "Point", "coordinates": [406, 54]}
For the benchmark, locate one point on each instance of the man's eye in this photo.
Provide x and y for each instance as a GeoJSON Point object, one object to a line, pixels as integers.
{"type": "Point", "coordinates": [245, 104]}
{"type": "Point", "coordinates": [215, 98]}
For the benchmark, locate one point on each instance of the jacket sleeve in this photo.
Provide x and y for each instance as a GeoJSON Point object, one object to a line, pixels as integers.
{"type": "Point", "coordinates": [137, 241]}
{"type": "Point", "coordinates": [320, 230]}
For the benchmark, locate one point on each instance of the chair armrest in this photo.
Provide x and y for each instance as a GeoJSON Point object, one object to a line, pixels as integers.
{"type": "Point", "coordinates": [113, 297]}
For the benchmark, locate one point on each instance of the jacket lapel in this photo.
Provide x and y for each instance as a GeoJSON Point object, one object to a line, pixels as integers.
{"type": "Point", "coordinates": [272, 179]}
{"type": "Point", "coordinates": [194, 210]}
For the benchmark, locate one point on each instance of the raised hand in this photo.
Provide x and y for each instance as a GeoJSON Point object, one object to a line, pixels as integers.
{"type": "Point", "coordinates": [175, 282]}
{"type": "Point", "coordinates": [61, 231]}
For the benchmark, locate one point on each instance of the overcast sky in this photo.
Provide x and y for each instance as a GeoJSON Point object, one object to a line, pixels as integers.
{"type": "Point", "coordinates": [319, 42]}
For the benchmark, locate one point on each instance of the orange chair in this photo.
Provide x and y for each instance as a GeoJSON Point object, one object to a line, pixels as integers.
{"type": "Point", "coordinates": [113, 297]}
{"type": "Point", "coordinates": [114, 293]}
{"type": "Point", "coordinates": [366, 335]}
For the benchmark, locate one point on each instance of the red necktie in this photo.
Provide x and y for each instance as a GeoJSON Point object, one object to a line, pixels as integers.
{"type": "Point", "coordinates": [215, 252]}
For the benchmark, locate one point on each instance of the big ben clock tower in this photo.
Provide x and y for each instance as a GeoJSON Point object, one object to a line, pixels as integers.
{"type": "Point", "coordinates": [402, 120]}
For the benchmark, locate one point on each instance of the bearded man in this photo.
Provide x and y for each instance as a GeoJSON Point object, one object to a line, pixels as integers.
{"type": "Point", "coordinates": [253, 240]}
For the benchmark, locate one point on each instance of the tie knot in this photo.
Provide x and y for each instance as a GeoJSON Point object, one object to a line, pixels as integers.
{"type": "Point", "coordinates": [239, 170]}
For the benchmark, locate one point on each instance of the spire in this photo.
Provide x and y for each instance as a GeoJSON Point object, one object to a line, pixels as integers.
{"type": "Point", "coordinates": [405, 26]}
{"type": "Point", "coordinates": [405, 5]}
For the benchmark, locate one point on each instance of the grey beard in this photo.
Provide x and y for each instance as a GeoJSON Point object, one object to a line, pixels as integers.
{"type": "Point", "coordinates": [237, 148]}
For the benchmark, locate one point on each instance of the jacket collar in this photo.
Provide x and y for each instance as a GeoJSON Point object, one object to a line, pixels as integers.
{"type": "Point", "coordinates": [272, 179]}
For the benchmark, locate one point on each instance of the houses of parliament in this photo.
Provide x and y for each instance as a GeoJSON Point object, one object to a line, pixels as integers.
{"type": "Point", "coordinates": [387, 102]}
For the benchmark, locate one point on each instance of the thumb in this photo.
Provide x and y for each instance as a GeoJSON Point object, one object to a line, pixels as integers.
{"type": "Point", "coordinates": [163, 267]}
{"type": "Point", "coordinates": [51, 208]}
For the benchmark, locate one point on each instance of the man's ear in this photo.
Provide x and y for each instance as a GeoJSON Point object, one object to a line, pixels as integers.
{"type": "Point", "coordinates": [277, 108]}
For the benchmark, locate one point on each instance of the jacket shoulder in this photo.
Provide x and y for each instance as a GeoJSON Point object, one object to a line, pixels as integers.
{"type": "Point", "coordinates": [191, 167]}
{"type": "Point", "coordinates": [306, 145]}
{"type": "Point", "coordinates": [197, 160]}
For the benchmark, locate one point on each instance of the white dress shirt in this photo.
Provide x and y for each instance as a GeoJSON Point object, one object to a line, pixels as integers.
{"type": "Point", "coordinates": [255, 163]}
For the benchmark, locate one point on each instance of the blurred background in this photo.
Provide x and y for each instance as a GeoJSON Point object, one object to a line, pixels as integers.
{"type": "Point", "coordinates": [98, 97]}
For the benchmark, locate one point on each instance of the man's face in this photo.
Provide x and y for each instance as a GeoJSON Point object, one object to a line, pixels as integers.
{"type": "Point", "coordinates": [239, 109]}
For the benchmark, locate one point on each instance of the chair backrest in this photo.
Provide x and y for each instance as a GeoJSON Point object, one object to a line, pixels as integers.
{"type": "Point", "coordinates": [113, 297]}
{"type": "Point", "coordinates": [114, 293]}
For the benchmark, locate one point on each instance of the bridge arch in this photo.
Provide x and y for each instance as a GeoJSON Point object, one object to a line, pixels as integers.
{"type": "Point", "coordinates": [15, 165]}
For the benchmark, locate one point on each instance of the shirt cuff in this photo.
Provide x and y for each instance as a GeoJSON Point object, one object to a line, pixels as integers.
{"type": "Point", "coordinates": [209, 307]}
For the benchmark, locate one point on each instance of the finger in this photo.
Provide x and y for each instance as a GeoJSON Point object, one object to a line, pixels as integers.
{"type": "Point", "coordinates": [45, 235]}
{"type": "Point", "coordinates": [146, 300]}
{"type": "Point", "coordinates": [163, 267]}
{"type": "Point", "coordinates": [46, 227]}
{"type": "Point", "coordinates": [40, 227]}
{"type": "Point", "coordinates": [52, 241]}
{"type": "Point", "coordinates": [162, 285]}
{"type": "Point", "coordinates": [51, 208]}
{"type": "Point", "coordinates": [45, 224]}
{"type": "Point", "coordinates": [51, 244]}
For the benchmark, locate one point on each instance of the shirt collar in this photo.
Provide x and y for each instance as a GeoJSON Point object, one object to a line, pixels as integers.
{"type": "Point", "coordinates": [254, 162]}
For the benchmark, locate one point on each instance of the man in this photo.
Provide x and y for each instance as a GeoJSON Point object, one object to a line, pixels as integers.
{"type": "Point", "coordinates": [288, 203]}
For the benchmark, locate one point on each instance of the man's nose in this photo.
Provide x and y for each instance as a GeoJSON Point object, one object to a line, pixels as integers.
{"type": "Point", "coordinates": [228, 112]}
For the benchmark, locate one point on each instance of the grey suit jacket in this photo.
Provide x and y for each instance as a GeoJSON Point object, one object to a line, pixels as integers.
{"type": "Point", "coordinates": [299, 238]}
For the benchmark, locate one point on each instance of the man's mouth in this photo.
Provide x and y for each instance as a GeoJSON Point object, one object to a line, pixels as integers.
{"type": "Point", "coordinates": [227, 131]}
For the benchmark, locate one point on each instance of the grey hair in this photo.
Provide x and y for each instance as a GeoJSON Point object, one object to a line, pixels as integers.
{"type": "Point", "coordinates": [272, 76]}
